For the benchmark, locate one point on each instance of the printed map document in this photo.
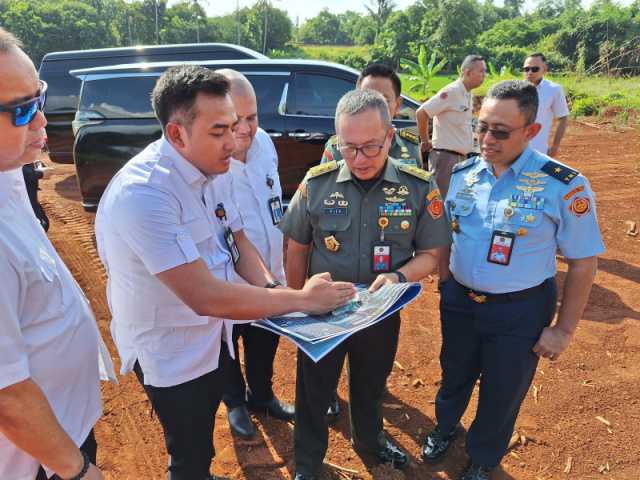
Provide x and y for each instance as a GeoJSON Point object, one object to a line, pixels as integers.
{"type": "Point", "coordinates": [317, 335]}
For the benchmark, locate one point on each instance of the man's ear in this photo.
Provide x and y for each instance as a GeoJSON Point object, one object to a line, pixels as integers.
{"type": "Point", "coordinates": [532, 130]}
{"type": "Point", "coordinates": [175, 134]}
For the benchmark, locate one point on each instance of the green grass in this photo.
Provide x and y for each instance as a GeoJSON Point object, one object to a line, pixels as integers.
{"type": "Point", "coordinates": [332, 52]}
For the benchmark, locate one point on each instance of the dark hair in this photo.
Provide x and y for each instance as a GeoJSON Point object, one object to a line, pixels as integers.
{"type": "Point", "coordinates": [381, 70]}
{"type": "Point", "coordinates": [469, 60]}
{"type": "Point", "coordinates": [539, 55]}
{"type": "Point", "coordinates": [8, 41]}
{"type": "Point", "coordinates": [177, 88]}
{"type": "Point", "coordinates": [523, 92]}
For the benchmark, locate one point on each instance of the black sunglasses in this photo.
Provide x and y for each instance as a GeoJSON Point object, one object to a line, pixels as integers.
{"type": "Point", "coordinates": [531, 69]}
{"type": "Point", "coordinates": [24, 112]}
{"type": "Point", "coordinates": [482, 129]}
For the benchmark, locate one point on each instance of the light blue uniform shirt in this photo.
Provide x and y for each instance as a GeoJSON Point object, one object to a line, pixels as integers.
{"type": "Point", "coordinates": [548, 206]}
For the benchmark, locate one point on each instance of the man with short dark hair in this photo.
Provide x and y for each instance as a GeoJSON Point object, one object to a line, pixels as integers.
{"type": "Point", "coordinates": [370, 220]}
{"type": "Point", "coordinates": [405, 146]}
{"type": "Point", "coordinates": [172, 243]}
{"type": "Point", "coordinates": [49, 341]}
{"type": "Point", "coordinates": [510, 210]}
{"type": "Point", "coordinates": [551, 104]}
{"type": "Point", "coordinates": [452, 112]}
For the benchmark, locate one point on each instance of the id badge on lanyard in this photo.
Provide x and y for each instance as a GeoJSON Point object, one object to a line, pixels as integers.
{"type": "Point", "coordinates": [501, 247]}
{"type": "Point", "coordinates": [229, 239]}
{"type": "Point", "coordinates": [274, 203]}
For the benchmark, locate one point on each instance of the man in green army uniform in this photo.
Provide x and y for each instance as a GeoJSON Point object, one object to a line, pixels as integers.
{"type": "Point", "coordinates": [405, 146]}
{"type": "Point", "coordinates": [365, 219]}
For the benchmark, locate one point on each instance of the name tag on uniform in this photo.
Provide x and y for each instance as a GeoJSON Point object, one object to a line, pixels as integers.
{"type": "Point", "coordinates": [381, 258]}
{"type": "Point", "coordinates": [275, 207]}
{"type": "Point", "coordinates": [501, 247]}
{"type": "Point", "coordinates": [230, 240]}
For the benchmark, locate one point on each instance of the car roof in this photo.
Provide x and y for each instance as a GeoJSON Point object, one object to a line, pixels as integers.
{"type": "Point", "coordinates": [149, 50]}
{"type": "Point", "coordinates": [161, 66]}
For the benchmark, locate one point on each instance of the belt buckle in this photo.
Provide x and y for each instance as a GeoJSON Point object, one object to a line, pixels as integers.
{"type": "Point", "coordinates": [476, 297]}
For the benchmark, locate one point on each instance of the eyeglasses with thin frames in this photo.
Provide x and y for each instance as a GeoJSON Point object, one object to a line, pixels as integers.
{"type": "Point", "coordinates": [24, 112]}
{"type": "Point", "coordinates": [370, 150]}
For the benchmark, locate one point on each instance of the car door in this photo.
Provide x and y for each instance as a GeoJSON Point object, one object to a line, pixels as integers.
{"type": "Point", "coordinates": [309, 109]}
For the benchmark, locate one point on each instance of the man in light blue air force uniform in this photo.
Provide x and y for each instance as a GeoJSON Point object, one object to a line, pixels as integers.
{"type": "Point", "coordinates": [510, 210]}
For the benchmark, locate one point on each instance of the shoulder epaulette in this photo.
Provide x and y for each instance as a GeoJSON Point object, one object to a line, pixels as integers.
{"type": "Point", "coordinates": [322, 169]}
{"type": "Point", "coordinates": [408, 134]}
{"type": "Point", "coordinates": [559, 171]}
{"type": "Point", "coordinates": [415, 171]}
{"type": "Point", "coordinates": [463, 165]}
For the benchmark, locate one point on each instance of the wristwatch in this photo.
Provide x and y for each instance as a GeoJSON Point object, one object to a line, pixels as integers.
{"type": "Point", "coordinates": [401, 276]}
{"type": "Point", "coordinates": [273, 284]}
{"type": "Point", "coordinates": [85, 467]}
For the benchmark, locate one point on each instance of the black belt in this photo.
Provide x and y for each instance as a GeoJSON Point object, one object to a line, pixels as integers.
{"type": "Point", "coordinates": [484, 297]}
{"type": "Point", "coordinates": [449, 151]}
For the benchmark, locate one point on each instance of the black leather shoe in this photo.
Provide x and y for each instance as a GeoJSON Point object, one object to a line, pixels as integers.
{"type": "Point", "coordinates": [387, 453]}
{"type": "Point", "coordinates": [393, 455]}
{"type": "Point", "coordinates": [436, 444]}
{"type": "Point", "coordinates": [333, 412]}
{"type": "Point", "coordinates": [476, 472]}
{"type": "Point", "coordinates": [274, 408]}
{"type": "Point", "coordinates": [240, 422]}
{"type": "Point", "coordinates": [300, 476]}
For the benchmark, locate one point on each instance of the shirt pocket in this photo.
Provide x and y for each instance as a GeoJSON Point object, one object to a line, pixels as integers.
{"type": "Point", "coordinates": [337, 226]}
{"type": "Point", "coordinates": [461, 207]}
{"type": "Point", "coordinates": [199, 230]}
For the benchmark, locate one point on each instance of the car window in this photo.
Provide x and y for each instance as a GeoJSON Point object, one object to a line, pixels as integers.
{"type": "Point", "coordinates": [407, 111]}
{"type": "Point", "coordinates": [62, 93]}
{"type": "Point", "coordinates": [119, 97]}
{"type": "Point", "coordinates": [268, 91]}
{"type": "Point", "coordinates": [316, 95]}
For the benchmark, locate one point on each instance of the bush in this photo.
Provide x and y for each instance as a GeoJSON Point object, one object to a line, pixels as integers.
{"type": "Point", "coordinates": [587, 107]}
{"type": "Point", "coordinates": [353, 60]}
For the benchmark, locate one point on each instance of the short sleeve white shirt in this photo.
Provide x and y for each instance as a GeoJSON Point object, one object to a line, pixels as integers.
{"type": "Point", "coordinates": [47, 331]}
{"type": "Point", "coordinates": [256, 183]}
{"type": "Point", "coordinates": [551, 104]}
{"type": "Point", "coordinates": [157, 213]}
{"type": "Point", "coordinates": [452, 112]}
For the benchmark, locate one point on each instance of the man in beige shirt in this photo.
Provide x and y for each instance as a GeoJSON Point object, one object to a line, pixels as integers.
{"type": "Point", "coordinates": [452, 109]}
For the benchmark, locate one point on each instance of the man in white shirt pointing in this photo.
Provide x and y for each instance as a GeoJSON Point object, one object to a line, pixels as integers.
{"type": "Point", "coordinates": [551, 104]}
{"type": "Point", "coordinates": [172, 243]}
{"type": "Point", "coordinates": [256, 188]}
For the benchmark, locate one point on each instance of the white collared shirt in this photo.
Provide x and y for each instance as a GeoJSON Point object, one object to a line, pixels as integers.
{"type": "Point", "coordinates": [551, 104]}
{"type": "Point", "coordinates": [452, 112]}
{"type": "Point", "coordinates": [157, 213]}
{"type": "Point", "coordinates": [252, 193]}
{"type": "Point", "coordinates": [47, 331]}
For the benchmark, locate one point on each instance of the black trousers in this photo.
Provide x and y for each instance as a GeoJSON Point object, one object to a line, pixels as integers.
{"type": "Point", "coordinates": [491, 341]}
{"type": "Point", "coordinates": [370, 354]}
{"type": "Point", "coordinates": [259, 352]}
{"type": "Point", "coordinates": [90, 447]}
{"type": "Point", "coordinates": [187, 415]}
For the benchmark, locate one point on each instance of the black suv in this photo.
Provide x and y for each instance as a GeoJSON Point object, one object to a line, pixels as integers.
{"type": "Point", "coordinates": [296, 106]}
{"type": "Point", "coordinates": [62, 95]}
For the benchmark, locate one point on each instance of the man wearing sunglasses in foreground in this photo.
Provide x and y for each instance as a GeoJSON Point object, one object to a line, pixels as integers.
{"type": "Point", "coordinates": [551, 104]}
{"type": "Point", "coordinates": [510, 210]}
{"type": "Point", "coordinates": [49, 381]}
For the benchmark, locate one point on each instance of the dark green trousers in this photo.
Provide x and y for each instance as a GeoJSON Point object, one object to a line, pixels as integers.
{"type": "Point", "coordinates": [370, 354]}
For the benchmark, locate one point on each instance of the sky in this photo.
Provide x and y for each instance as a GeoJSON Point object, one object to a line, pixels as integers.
{"type": "Point", "coordinates": [303, 9]}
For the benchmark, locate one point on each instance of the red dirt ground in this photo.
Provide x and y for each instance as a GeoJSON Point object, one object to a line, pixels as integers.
{"type": "Point", "coordinates": [578, 421]}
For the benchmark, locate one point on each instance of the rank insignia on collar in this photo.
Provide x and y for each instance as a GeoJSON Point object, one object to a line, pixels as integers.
{"type": "Point", "coordinates": [560, 172]}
